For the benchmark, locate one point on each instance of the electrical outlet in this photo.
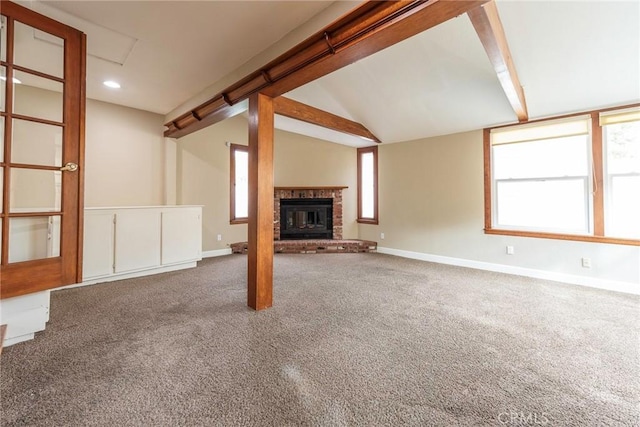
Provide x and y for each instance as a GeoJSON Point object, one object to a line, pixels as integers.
{"type": "Point", "coordinates": [219, 237]}
{"type": "Point", "coordinates": [382, 236]}
{"type": "Point", "coordinates": [510, 250]}
{"type": "Point", "coordinates": [586, 262]}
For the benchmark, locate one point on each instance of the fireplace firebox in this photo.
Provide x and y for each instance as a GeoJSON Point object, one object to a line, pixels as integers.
{"type": "Point", "coordinates": [306, 219]}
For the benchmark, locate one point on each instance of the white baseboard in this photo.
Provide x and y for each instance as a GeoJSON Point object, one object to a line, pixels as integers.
{"type": "Point", "coordinates": [610, 285]}
{"type": "Point", "coordinates": [15, 340]}
{"type": "Point", "coordinates": [115, 277]}
{"type": "Point", "coordinates": [215, 253]}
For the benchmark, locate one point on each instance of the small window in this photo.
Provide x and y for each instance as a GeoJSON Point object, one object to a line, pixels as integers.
{"type": "Point", "coordinates": [239, 184]}
{"type": "Point", "coordinates": [368, 185]}
{"type": "Point", "coordinates": [621, 137]}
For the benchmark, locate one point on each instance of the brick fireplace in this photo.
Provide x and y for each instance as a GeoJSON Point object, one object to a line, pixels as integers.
{"type": "Point", "coordinates": [314, 245]}
{"type": "Point", "coordinates": [308, 193]}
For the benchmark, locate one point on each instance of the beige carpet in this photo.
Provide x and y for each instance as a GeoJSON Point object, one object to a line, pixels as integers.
{"type": "Point", "coordinates": [353, 339]}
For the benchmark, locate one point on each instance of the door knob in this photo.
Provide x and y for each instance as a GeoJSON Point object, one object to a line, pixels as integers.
{"type": "Point", "coordinates": [71, 167]}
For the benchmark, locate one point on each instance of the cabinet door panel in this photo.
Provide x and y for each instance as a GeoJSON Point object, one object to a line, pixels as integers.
{"type": "Point", "coordinates": [137, 240]}
{"type": "Point", "coordinates": [181, 236]}
{"type": "Point", "coordinates": [98, 245]}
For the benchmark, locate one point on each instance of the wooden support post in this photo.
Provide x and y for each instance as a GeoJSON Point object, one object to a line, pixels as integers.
{"type": "Point", "coordinates": [260, 257]}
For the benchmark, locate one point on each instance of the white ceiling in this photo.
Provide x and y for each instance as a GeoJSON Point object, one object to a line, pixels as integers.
{"type": "Point", "coordinates": [165, 52]}
{"type": "Point", "coordinates": [570, 56]}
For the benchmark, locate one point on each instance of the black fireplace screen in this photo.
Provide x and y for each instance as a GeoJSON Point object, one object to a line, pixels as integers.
{"type": "Point", "coordinates": [306, 219]}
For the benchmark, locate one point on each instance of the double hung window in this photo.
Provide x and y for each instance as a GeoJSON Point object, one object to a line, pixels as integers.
{"type": "Point", "coordinates": [542, 176]}
{"type": "Point", "coordinates": [574, 178]}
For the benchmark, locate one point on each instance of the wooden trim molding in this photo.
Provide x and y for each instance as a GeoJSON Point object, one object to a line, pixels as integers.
{"type": "Point", "coordinates": [598, 175]}
{"type": "Point", "coordinates": [82, 115]}
{"type": "Point", "coordinates": [486, 21]}
{"type": "Point", "coordinates": [371, 27]}
{"type": "Point", "coordinates": [597, 152]}
{"type": "Point", "coordinates": [566, 116]}
{"type": "Point", "coordinates": [297, 110]}
{"type": "Point", "coordinates": [556, 236]}
{"type": "Point", "coordinates": [374, 151]}
{"type": "Point", "coordinates": [488, 213]}
{"type": "Point", "coordinates": [8, 132]}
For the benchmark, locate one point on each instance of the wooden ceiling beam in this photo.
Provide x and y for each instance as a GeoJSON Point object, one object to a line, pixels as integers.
{"type": "Point", "coordinates": [297, 110]}
{"type": "Point", "coordinates": [371, 27]}
{"type": "Point", "coordinates": [487, 24]}
{"type": "Point", "coordinates": [205, 115]}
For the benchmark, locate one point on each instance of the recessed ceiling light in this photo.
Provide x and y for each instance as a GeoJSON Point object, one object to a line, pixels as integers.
{"type": "Point", "coordinates": [16, 81]}
{"type": "Point", "coordinates": [111, 84]}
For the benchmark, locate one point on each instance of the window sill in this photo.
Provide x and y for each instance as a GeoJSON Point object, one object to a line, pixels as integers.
{"type": "Point", "coordinates": [575, 237]}
{"type": "Point", "coordinates": [239, 221]}
{"type": "Point", "coordinates": [367, 221]}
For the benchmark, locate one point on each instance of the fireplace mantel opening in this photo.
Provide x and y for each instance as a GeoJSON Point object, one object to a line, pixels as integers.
{"type": "Point", "coordinates": [308, 212]}
{"type": "Point", "coordinates": [306, 219]}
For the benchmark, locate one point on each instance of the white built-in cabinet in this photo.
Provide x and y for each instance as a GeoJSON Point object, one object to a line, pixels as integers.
{"type": "Point", "coordinates": [132, 241]}
{"type": "Point", "coordinates": [118, 243]}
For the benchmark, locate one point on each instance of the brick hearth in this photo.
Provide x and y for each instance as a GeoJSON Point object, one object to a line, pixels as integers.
{"type": "Point", "coordinates": [313, 246]}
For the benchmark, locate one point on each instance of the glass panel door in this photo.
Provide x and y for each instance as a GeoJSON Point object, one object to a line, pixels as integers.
{"type": "Point", "coordinates": [42, 83]}
{"type": "Point", "coordinates": [34, 176]}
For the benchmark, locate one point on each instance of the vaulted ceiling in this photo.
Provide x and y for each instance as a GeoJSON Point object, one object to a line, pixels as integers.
{"type": "Point", "coordinates": [570, 56]}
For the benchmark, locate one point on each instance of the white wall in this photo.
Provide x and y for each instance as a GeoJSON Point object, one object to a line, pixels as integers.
{"type": "Point", "coordinates": [128, 162]}
{"type": "Point", "coordinates": [432, 202]}
{"type": "Point", "coordinates": [203, 162]}
{"type": "Point", "coordinates": [203, 179]}
{"type": "Point", "coordinates": [125, 156]}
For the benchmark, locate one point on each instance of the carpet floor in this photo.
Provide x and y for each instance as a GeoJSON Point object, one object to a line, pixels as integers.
{"type": "Point", "coordinates": [352, 340]}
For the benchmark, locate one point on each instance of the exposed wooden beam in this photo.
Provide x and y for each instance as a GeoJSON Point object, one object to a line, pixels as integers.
{"type": "Point", "coordinates": [297, 110]}
{"type": "Point", "coordinates": [260, 229]}
{"type": "Point", "coordinates": [372, 27]}
{"type": "Point", "coordinates": [487, 24]}
{"type": "Point", "coordinates": [211, 116]}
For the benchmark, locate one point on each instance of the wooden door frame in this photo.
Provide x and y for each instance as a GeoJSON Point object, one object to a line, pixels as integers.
{"type": "Point", "coordinates": [26, 277]}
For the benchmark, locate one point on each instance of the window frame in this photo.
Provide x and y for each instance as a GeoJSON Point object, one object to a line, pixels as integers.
{"type": "Point", "coordinates": [597, 217]}
{"type": "Point", "coordinates": [587, 181]}
{"type": "Point", "coordinates": [374, 151]}
{"type": "Point", "coordinates": [608, 177]}
{"type": "Point", "coordinates": [232, 184]}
